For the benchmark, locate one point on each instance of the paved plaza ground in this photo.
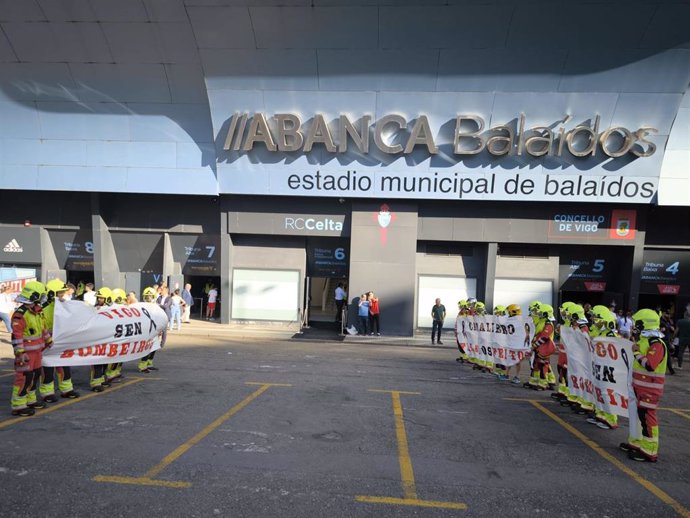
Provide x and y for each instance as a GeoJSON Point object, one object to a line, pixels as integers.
{"type": "Point", "coordinates": [271, 426]}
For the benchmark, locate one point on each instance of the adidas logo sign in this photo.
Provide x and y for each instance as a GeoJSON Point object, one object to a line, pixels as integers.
{"type": "Point", "coordinates": [13, 247]}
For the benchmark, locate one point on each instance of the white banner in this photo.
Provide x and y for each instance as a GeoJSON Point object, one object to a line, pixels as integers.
{"type": "Point", "coordinates": [84, 335]}
{"type": "Point", "coordinates": [600, 371]}
{"type": "Point", "coordinates": [492, 339]}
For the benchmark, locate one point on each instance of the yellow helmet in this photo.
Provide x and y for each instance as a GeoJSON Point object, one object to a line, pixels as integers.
{"type": "Point", "coordinates": [514, 310]}
{"type": "Point", "coordinates": [32, 293]}
{"type": "Point", "coordinates": [149, 294]}
{"type": "Point", "coordinates": [533, 307]}
{"type": "Point", "coordinates": [564, 310]}
{"type": "Point", "coordinates": [610, 320]}
{"type": "Point", "coordinates": [577, 312]}
{"type": "Point", "coordinates": [646, 320]}
{"type": "Point", "coordinates": [54, 286]}
{"type": "Point", "coordinates": [119, 296]}
{"type": "Point", "coordinates": [480, 307]}
{"type": "Point", "coordinates": [462, 304]}
{"type": "Point", "coordinates": [600, 312]}
{"type": "Point", "coordinates": [500, 310]}
{"type": "Point", "coordinates": [546, 311]}
{"type": "Point", "coordinates": [106, 294]}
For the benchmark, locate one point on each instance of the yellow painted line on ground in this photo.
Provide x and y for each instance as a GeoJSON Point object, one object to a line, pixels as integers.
{"type": "Point", "coordinates": [410, 502]}
{"type": "Point", "coordinates": [53, 408]}
{"type": "Point", "coordinates": [406, 472]}
{"type": "Point", "coordinates": [677, 412]}
{"type": "Point", "coordinates": [383, 391]}
{"type": "Point", "coordinates": [147, 478]}
{"type": "Point", "coordinates": [656, 491]}
{"type": "Point", "coordinates": [142, 481]}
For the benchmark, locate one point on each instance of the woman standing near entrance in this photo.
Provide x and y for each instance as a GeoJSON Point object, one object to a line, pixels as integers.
{"type": "Point", "coordinates": [375, 324]}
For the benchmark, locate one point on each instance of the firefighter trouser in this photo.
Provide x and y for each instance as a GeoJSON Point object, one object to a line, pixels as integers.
{"type": "Point", "coordinates": [146, 361]}
{"type": "Point", "coordinates": [563, 380]}
{"type": "Point", "coordinates": [113, 370]}
{"type": "Point", "coordinates": [24, 388]}
{"type": "Point", "coordinates": [64, 376]}
{"type": "Point", "coordinates": [539, 374]}
{"type": "Point", "coordinates": [648, 443]}
{"type": "Point", "coordinates": [605, 417]}
{"type": "Point", "coordinates": [97, 376]}
{"type": "Point", "coordinates": [550, 376]}
{"type": "Point", "coordinates": [47, 386]}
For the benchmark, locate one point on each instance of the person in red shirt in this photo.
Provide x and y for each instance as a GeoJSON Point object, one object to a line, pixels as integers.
{"type": "Point", "coordinates": [374, 314]}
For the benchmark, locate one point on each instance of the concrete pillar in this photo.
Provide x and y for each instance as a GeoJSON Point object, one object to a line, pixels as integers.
{"type": "Point", "coordinates": [50, 269]}
{"type": "Point", "coordinates": [383, 250]}
{"type": "Point", "coordinates": [636, 271]}
{"type": "Point", "coordinates": [225, 288]}
{"type": "Point", "coordinates": [106, 271]}
{"type": "Point", "coordinates": [490, 275]}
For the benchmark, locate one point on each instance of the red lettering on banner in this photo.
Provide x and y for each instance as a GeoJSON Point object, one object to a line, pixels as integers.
{"type": "Point", "coordinates": [601, 350]}
{"type": "Point", "coordinates": [69, 353]}
{"type": "Point", "coordinates": [589, 386]}
{"type": "Point", "coordinates": [135, 312]}
{"type": "Point", "coordinates": [574, 380]}
{"type": "Point", "coordinates": [612, 397]}
{"type": "Point", "coordinates": [124, 348]}
{"type": "Point", "coordinates": [624, 402]}
{"type": "Point", "coordinates": [599, 396]}
{"type": "Point", "coordinates": [613, 352]}
{"type": "Point", "coordinates": [117, 313]}
{"type": "Point", "coordinates": [100, 350]}
{"type": "Point", "coordinates": [142, 344]}
{"type": "Point", "coordinates": [105, 314]}
{"type": "Point", "coordinates": [112, 350]}
{"type": "Point", "coordinates": [126, 311]}
{"type": "Point", "coordinates": [85, 352]}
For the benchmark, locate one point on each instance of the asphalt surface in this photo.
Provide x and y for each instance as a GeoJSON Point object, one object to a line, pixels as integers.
{"type": "Point", "coordinates": [314, 447]}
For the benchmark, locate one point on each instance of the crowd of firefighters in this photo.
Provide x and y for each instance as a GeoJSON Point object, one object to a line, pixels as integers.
{"type": "Point", "coordinates": [649, 365]}
{"type": "Point", "coordinates": [32, 329]}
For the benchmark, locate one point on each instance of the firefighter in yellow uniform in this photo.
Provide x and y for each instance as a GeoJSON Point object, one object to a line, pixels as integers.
{"type": "Point", "coordinates": [543, 345]}
{"type": "Point", "coordinates": [462, 311]}
{"type": "Point", "coordinates": [113, 371]}
{"type": "Point", "coordinates": [499, 368]}
{"type": "Point", "coordinates": [579, 321]}
{"type": "Point", "coordinates": [649, 375]}
{"type": "Point", "coordinates": [563, 394]}
{"type": "Point", "coordinates": [56, 290]}
{"type": "Point", "coordinates": [145, 364]}
{"type": "Point", "coordinates": [30, 337]}
{"type": "Point", "coordinates": [97, 381]}
{"type": "Point", "coordinates": [486, 365]}
{"type": "Point", "coordinates": [514, 310]}
{"type": "Point", "coordinates": [603, 325]}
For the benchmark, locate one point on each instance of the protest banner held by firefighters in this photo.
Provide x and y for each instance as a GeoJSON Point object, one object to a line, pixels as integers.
{"type": "Point", "coordinates": [600, 375]}
{"type": "Point", "coordinates": [52, 333]}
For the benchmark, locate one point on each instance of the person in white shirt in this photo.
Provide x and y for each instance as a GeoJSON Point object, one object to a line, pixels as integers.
{"type": "Point", "coordinates": [89, 294]}
{"type": "Point", "coordinates": [6, 307]}
{"type": "Point", "coordinates": [211, 304]}
{"type": "Point", "coordinates": [340, 296]}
